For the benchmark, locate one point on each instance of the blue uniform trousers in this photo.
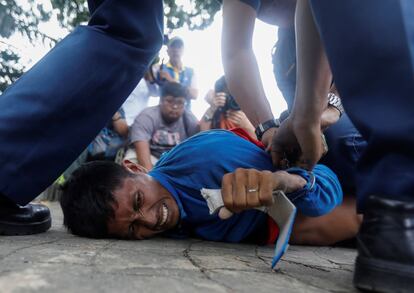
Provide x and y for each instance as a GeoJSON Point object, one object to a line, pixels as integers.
{"type": "Point", "coordinates": [56, 109]}
{"type": "Point", "coordinates": [370, 47]}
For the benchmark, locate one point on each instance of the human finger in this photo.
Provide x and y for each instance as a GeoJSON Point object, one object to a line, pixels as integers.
{"type": "Point", "coordinates": [278, 154]}
{"type": "Point", "coordinates": [233, 118]}
{"type": "Point", "coordinates": [239, 190]}
{"type": "Point", "coordinates": [253, 189]}
{"type": "Point", "coordinates": [266, 188]}
{"type": "Point", "coordinates": [227, 190]}
{"type": "Point", "coordinates": [268, 137]}
{"type": "Point", "coordinates": [220, 99]}
{"type": "Point", "coordinates": [311, 147]}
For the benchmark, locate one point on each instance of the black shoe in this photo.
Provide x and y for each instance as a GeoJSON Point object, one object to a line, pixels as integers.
{"type": "Point", "coordinates": [23, 220]}
{"type": "Point", "coordinates": [385, 261]}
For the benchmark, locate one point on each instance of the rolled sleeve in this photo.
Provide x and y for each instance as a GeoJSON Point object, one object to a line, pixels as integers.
{"type": "Point", "coordinates": [321, 194]}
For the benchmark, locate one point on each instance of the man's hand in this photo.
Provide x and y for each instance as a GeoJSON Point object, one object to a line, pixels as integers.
{"type": "Point", "coordinates": [249, 188]}
{"type": "Point", "coordinates": [329, 117]}
{"type": "Point", "coordinates": [297, 144]}
{"type": "Point", "coordinates": [268, 136]}
{"type": "Point", "coordinates": [219, 100]}
{"type": "Point", "coordinates": [164, 75]}
{"type": "Point", "coordinates": [239, 119]}
{"type": "Point", "coordinates": [287, 150]}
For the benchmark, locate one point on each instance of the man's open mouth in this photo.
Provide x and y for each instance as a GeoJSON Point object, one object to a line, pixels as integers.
{"type": "Point", "coordinates": [163, 216]}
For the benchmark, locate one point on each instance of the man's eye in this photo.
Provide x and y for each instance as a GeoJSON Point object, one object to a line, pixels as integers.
{"type": "Point", "coordinates": [137, 201]}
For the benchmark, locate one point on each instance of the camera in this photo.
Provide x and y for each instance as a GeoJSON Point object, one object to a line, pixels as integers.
{"type": "Point", "coordinates": [221, 86]}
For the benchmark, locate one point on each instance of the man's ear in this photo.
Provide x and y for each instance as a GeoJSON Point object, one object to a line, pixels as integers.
{"type": "Point", "coordinates": [133, 167]}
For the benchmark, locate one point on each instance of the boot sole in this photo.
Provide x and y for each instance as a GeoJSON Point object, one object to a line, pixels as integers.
{"type": "Point", "coordinates": [383, 276]}
{"type": "Point", "coordinates": [12, 229]}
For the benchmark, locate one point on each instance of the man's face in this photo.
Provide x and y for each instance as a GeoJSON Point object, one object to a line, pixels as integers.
{"type": "Point", "coordinates": [175, 53]}
{"type": "Point", "coordinates": [172, 108]}
{"type": "Point", "coordinates": [143, 207]}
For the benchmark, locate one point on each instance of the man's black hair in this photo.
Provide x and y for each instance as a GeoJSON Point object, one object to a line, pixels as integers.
{"type": "Point", "coordinates": [87, 198]}
{"type": "Point", "coordinates": [174, 89]}
{"type": "Point", "coordinates": [175, 42]}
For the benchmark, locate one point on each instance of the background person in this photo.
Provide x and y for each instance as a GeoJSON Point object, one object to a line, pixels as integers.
{"type": "Point", "coordinates": [110, 139]}
{"type": "Point", "coordinates": [224, 112]}
{"type": "Point", "coordinates": [158, 129]}
{"type": "Point", "coordinates": [175, 71]}
{"type": "Point", "coordinates": [138, 99]}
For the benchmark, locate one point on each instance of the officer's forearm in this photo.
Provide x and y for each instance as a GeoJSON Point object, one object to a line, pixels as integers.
{"type": "Point", "coordinates": [313, 72]}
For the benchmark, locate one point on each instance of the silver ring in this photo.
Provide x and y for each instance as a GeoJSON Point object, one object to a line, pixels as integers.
{"type": "Point", "coordinates": [252, 190]}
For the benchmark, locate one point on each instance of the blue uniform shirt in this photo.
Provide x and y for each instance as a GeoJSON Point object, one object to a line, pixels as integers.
{"type": "Point", "coordinates": [202, 160]}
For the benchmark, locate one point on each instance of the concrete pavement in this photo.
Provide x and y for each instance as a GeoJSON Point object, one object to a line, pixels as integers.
{"type": "Point", "coordinates": [59, 262]}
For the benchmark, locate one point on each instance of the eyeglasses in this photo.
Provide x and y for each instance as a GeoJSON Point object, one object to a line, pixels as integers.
{"type": "Point", "coordinates": [179, 103]}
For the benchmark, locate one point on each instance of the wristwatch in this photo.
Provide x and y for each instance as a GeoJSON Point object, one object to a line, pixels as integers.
{"type": "Point", "coordinates": [335, 101]}
{"type": "Point", "coordinates": [263, 127]}
{"type": "Point", "coordinates": [207, 118]}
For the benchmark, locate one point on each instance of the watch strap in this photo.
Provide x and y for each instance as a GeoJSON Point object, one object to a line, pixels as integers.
{"type": "Point", "coordinates": [335, 101]}
{"type": "Point", "coordinates": [263, 127]}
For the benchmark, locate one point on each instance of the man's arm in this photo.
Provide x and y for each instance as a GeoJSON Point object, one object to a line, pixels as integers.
{"type": "Point", "coordinates": [314, 194]}
{"type": "Point", "coordinates": [322, 193]}
{"type": "Point", "coordinates": [216, 100]}
{"type": "Point", "coordinates": [302, 131]}
{"type": "Point", "coordinates": [240, 66]}
{"type": "Point", "coordinates": [193, 89]}
{"type": "Point", "coordinates": [119, 124]}
{"type": "Point", "coordinates": [142, 149]}
{"type": "Point", "coordinates": [239, 119]}
{"type": "Point", "coordinates": [141, 133]}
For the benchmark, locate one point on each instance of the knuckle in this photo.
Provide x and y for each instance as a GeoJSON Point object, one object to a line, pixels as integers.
{"type": "Point", "coordinates": [240, 173]}
{"type": "Point", "coordinates": [266, 199]}
{"type": "Point", "coordinates": [228, 203]}
{"type": "Point", "coordinates": [267, 176]}
{"type": "Point", "coordinates": [227, 178]}
{"type": "Point", "coordinates": [238, 203]}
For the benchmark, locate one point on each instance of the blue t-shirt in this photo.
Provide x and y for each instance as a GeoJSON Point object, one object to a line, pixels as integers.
{"type": "Point", "coordinates": [202, 160]}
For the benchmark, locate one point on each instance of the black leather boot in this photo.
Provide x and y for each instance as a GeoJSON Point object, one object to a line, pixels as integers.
{"type": "Point", "coordinates": [23, 220]}
{"type": "Point", "coordinates": [385, 261]}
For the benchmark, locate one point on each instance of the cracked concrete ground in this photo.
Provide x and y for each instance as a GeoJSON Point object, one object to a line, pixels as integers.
{"type": "Point", "coordinates": [59, 262]}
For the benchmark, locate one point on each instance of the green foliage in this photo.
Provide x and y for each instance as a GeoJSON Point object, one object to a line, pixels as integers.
{"type": "Point", "coordinates": [14, 18]}
{"type": "Point", "coordinates": [71, 13]}
{"type": "Point", "coordinates": [10, 70]}
{"type": "Point", "coordinates": [197, 14]}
